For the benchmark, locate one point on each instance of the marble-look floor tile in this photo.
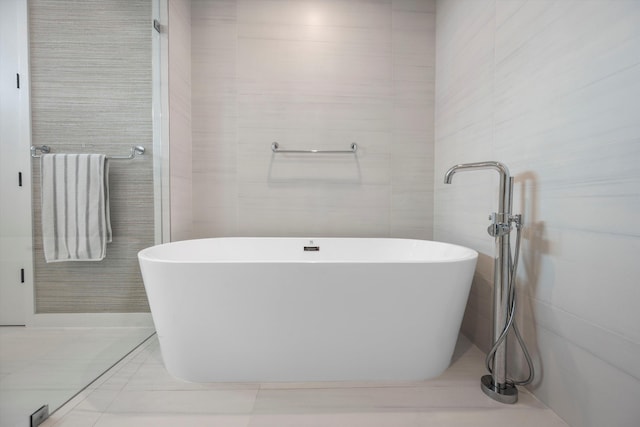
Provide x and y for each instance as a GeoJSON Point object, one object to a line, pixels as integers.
{"type": "Point", "coordinates": [74, 419]}
{"type": "Point", "coordinates": [172, 420]}
{"type": "Point", "coordinates": [488, 417]}
{"type": "Point", "coordinates": [46, 374]}
{"type": "Point", "coordinates": [97, 400]}
{"type": "Point", "coordinates": [184, 402]}
{"type": "Point", "coordinates": [336, 420]}
{"type": "Point", "coordinates": [154, 376]}
{"type": "Point", "coordinates": [149, 396]}
{"type": "Point", "coordinates": [379, 399]}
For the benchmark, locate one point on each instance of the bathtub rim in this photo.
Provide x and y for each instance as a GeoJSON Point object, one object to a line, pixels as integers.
{"type": "Point", "coordinates": [469, 254]}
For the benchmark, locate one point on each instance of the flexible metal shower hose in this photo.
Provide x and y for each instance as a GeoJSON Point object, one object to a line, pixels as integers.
{"type": "Point", "coordinates": [511, 322]}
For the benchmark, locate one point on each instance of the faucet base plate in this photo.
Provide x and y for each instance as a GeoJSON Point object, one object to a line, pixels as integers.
{"type": "Point", "coordinates": [506, 394]}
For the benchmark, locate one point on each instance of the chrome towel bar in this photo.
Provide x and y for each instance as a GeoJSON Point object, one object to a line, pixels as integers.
{"type": "Point", "coordinates": [137, 150]}
{"type": "Point", "coordinates": [275, 147]}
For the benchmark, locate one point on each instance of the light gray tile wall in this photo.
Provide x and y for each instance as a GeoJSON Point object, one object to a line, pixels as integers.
{"type": "Point", "coordinates": [91, 93]}
{"type": "Point", "coordinates": [552, 90]}
{"type": "Point", "coordinates": [180, 146]}
{"type": "Point", "coordinates": [214, 94]}
{"type": "Point", "coordinates": [413, 80]}
{"type": "Point", "coordinates": [321, 75]}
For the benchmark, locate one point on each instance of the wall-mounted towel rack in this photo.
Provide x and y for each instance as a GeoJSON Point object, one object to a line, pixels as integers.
{"type": "Point", "coordinates": [275, 147]}
{"type": "Point", "coordinates": [137, 150]}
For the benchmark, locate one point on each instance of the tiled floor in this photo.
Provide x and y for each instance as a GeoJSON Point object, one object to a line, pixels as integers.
{"type": "Point", "coordinates": [49, 365]}
{"type": "Point", "coordinates": [139, 392]}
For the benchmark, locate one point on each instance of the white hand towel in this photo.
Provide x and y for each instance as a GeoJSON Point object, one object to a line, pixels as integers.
{"type": "Point", "coordinates": [76, 223]}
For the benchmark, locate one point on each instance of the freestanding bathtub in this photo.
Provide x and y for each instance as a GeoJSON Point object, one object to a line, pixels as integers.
{"type": "Point", "coordinates": [295, 309]}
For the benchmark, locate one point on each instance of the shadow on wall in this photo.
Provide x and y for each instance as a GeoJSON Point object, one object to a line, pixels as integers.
{"type": "Point", "coordinates": [527, 281]}
{"type": "Point", "coordinates": [535, 246]}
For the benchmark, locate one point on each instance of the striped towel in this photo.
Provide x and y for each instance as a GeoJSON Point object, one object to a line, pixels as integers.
{"type": "Point", "coordinates": [75, 207]}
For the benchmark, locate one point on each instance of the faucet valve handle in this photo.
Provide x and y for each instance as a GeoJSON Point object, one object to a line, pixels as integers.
{"type": "Point", "coordinates": [498, 230]}
{"type": "Point", "coordinates": [500, 224]}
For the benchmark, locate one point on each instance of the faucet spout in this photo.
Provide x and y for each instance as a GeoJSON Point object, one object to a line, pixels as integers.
{"type": "Point", "coordinates": [500, 167]}
{"type": "Point", "coordinates": [504, 200]}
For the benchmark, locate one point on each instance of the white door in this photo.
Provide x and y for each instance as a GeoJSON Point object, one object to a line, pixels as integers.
{"type": "Point", "coordinates": [15, 181]}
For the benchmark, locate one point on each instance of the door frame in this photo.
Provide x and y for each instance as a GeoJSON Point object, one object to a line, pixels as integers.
{"type": "Point", "coordinates": [19, 127]}
{"type": "Point", "coordinates": [25, 133]}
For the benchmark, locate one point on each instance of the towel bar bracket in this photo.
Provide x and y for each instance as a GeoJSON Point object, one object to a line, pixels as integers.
{"type": "Point", "coordinates": [44, 149]}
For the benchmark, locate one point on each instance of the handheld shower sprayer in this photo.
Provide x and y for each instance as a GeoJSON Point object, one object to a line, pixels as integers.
{"type": "Point", "coordinates": [497, 385]}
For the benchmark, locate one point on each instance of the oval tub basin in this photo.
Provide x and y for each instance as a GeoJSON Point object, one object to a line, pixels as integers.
{"type": "Point", "coordinates": [316, 309]}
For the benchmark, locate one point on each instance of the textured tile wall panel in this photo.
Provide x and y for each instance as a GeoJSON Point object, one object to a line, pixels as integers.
{"type": "Point", "coordinates": [91, 93]}
{"type": "Point", "coordinates": [214, 117]}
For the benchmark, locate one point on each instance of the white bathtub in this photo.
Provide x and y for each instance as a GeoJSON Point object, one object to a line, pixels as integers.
{"type": "Point", "coordinates": [266, 309]}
